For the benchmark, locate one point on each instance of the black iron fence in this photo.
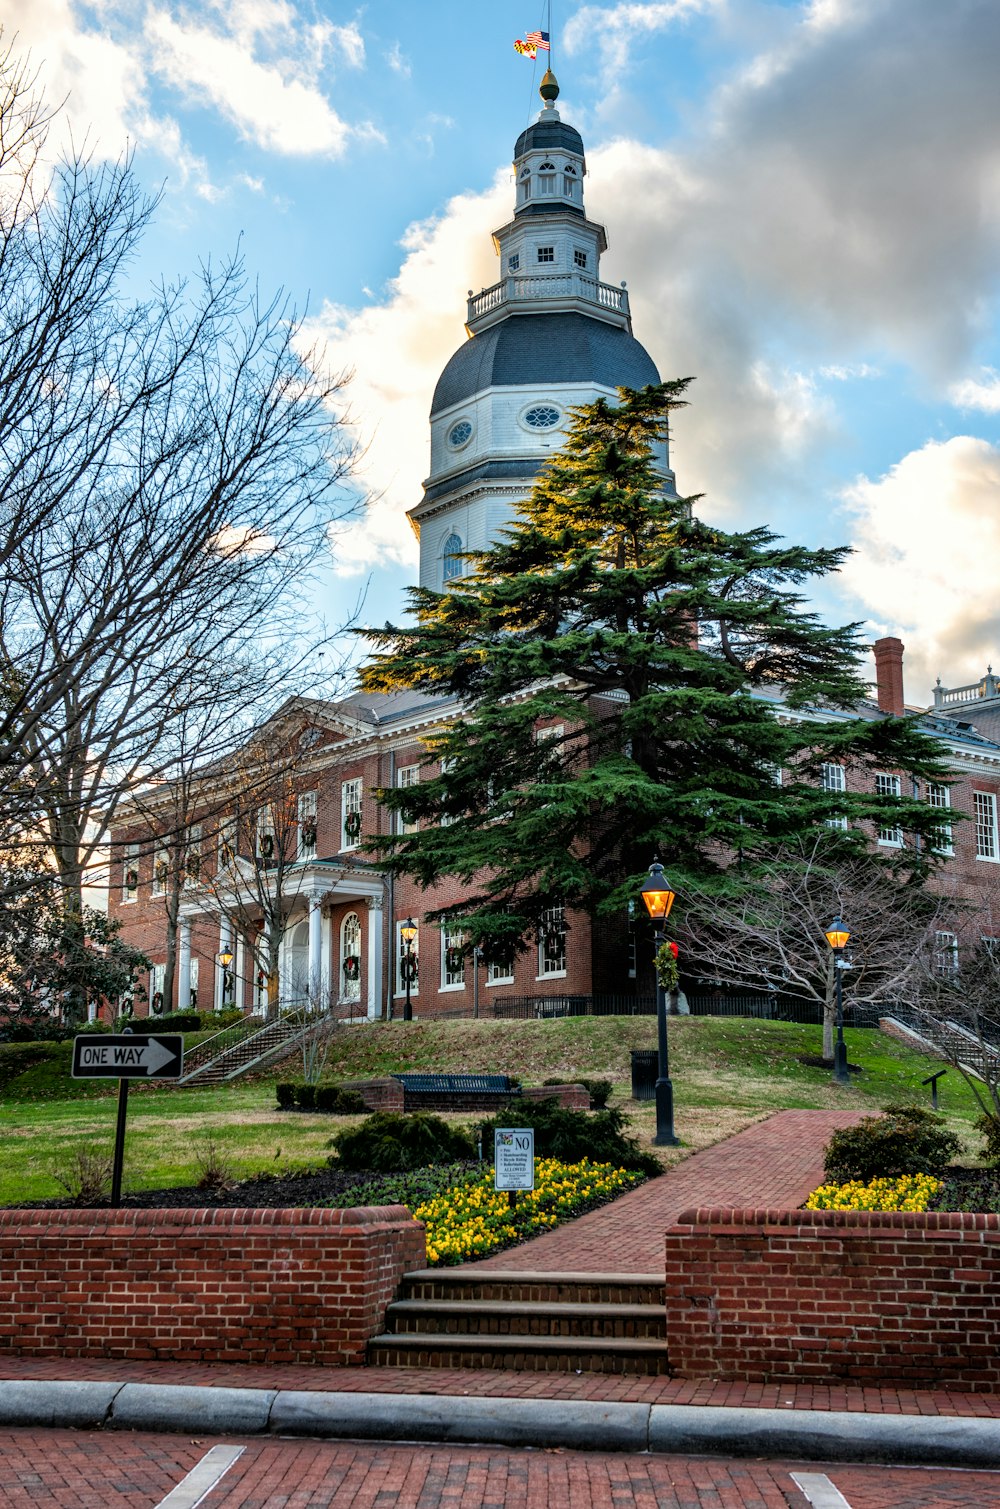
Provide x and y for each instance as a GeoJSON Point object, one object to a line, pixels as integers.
{"type": "Point", "coordinates": [772, 1007]}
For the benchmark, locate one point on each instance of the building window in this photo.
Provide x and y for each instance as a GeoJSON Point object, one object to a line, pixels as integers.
{"type": "Point", "coordinates": [452, 565]}
{"type": "Point", "coordinates": [513, 261]}
{"type": "Point", "coordinates": [267, 847]}
{"type": "Point", "coordinates": [350, 814]}
{"type": "Point", "coordinates": [579, 259]}
{"type": "Point", "coordinates": [447, 818]}
{"type": "Point", "coordinates": [940, 839]}
{"type": "Point", "coordinates": [546, 254]}
{"type": "Point", "coordinates": [888, 785]}
{"type": "Point", "coordinates": [552, 942]}
{"type": "Point", "coordinates": [460, 434]}
{"type": "Point", "coordinates": [541, 416]}
{"type": "Point", "coordinates": [193, 1002]}
{"type": "Point", "coordinates": [500, 971]}
{"type": "Point", "coordinates": [161, 872]}
{"type": "Point", "coordinates": [452, 958]}
{"type": "Point", "coordinates": [227, 842]}
{"type": "Point", "coordinates": [130, 873]}
{"type": "Point", "coordinates": [307, 831]}
{"type": "Point", "coordinates": [985, 809]}
{"type": "Point", "coordinates": [406, 776]}
{"type": "Point", "coordinates": [350, 958]}
{"type": "Point", "coordinates": [547, 178]}
{"type": "Point", "coordinates": [156, 977]}
{"type": "Point", "coordinates": [569, 184]}
{"type": "Point", "coordinates": [402, 959]}
{"type": "Point", "coordinates": [946, 955]}
{"type": "Point", "coordinates": [192, 857]}
{"type": "Point", "coordinates": [833, 779]}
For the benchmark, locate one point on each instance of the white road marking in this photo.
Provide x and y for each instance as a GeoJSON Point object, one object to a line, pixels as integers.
{"type": "Point", "coordinates": [819, 1490]}
{"type": "Point", "coordinates": [202, 1478]}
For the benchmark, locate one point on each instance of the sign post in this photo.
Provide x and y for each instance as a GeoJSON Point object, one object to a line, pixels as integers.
{"type": "Point", "coordinates": [514, 1160]}
{"type": "Point", "coordinates": [130, 1055]}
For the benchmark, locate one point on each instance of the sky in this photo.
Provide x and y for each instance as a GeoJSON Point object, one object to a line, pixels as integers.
{"type": "Point", "coordinates": [802, 195]}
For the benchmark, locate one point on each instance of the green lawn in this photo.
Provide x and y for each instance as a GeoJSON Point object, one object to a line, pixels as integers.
{"type": "Point", "coordinates": [727, 1073]}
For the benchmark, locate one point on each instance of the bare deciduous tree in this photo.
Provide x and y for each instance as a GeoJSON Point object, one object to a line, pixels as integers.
{"type": "Point", "coordinates": [769, 933]}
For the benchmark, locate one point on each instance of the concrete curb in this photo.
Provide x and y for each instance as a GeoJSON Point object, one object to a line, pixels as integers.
{"type": "Point", "coordinates": [574, 1425]}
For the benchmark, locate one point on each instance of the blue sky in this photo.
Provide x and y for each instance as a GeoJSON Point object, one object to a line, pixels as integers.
{"type": "Point", "coordinates": [804, 198]}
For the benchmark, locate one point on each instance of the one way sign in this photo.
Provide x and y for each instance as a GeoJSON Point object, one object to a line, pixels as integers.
{"type": "Point", "coordinates": [131, 1056]}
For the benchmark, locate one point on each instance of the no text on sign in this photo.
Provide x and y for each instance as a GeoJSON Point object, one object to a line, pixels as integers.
{"type": "Point", "coordinates": [514, 1158]}
{"type": "Point", "coordinates": [130, 1056]}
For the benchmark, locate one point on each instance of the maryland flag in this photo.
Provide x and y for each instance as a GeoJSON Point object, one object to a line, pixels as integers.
{"type": "Point", "coordinates": [526, 49]}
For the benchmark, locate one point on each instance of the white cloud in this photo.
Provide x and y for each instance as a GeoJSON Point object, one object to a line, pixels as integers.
{"type": "Point", "coordinates": [927, 537]}
{"type": "Point", "coordinates": [973, 394]}
{"type": "Point", "coordinates": [614, 28]}
{"type": "Point", "coordinates": [397, 62]}
{"type": "Point", "coordinates": [350, 43]}
{"type": "Point", "coordinates": [279, 111]}
{"type": "Point", "coordinates": [845, 372]}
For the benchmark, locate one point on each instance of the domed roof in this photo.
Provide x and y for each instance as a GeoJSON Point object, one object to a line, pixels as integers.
{"type": "Point", "coordinates": [535, 350]}
{"type": "Point", "coordinates": [548, 136]}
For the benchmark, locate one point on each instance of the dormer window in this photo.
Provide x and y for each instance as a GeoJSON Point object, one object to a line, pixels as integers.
{"type": "Point", "coordinates": [546, 254]}
{"type": "Point", "coordinates": [569, 181]}
{"type": "Point", "coordinates": [547, 178]}
{"type": "Point", "coordinates": [579, 259]}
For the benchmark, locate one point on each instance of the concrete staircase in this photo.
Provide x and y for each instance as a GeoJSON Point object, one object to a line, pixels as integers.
{"type": "Point", "coordinates": [235, 1050]}
{"type": "Point", "coordinates": [950, 1041]}
{"type": "Point", "coordinates": [534, 1322]}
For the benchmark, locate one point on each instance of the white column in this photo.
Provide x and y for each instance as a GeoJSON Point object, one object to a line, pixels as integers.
{"type": "Point", "coordinates": [315, 953]}
{"type": "Point", "coordinates": [183, 966]}
{"type": "Point", "coordinates": [374, 956]}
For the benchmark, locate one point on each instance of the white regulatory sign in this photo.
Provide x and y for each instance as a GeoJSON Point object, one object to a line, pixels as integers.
{"type": "Point", "coordinates": [514, 1158]}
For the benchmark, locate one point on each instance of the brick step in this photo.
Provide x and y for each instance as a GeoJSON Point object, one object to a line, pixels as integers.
{"type": "Point", "coordinates": [524, 1353]}
{"type": "Point", "coordinates": [468, 1318]}
{"type": "Point", "coordinates": [527, 1288]}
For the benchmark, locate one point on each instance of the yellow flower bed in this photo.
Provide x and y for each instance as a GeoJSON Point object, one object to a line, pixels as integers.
{"type": "Point", "coordinates": [471, 1220]}
{"type": "Point", "coordinates": [908, 1192]}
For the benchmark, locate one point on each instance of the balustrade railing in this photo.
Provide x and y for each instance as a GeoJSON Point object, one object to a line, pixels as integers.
{"type": "Point", "coordinates": [531, 286]}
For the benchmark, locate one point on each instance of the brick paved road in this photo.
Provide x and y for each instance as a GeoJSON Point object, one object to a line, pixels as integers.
{"type": "Point", "coordinates": [773, 1163]}
{"type": "Point", "coordinates": [67, 1470]}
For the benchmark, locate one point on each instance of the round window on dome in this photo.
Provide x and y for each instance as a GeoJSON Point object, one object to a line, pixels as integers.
{"type": "Point", "coordinates": [460, 434]}
{"type": "Point", "coordinates": [541, 416]}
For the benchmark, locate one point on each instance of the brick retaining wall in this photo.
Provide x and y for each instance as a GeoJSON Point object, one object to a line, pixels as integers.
{"type": "Point", "coordinates": [264, 1286]}
{"type": "Point", "coordinates": [887, 1299]}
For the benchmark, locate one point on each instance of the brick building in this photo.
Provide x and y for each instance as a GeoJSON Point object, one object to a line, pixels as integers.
{"type": "Point", "coordinates": [547, 336]}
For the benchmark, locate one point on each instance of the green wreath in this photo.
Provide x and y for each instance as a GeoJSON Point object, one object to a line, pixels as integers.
{"type": "Point", "coordinates": [352, 824]}
{"type": "Point", "coordinates": [667, 973]}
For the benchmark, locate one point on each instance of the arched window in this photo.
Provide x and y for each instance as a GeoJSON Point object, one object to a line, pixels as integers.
{"type": "Point", "coordinates": [452, 563]}
{"type": "Point", "coordinates": [350, 958]}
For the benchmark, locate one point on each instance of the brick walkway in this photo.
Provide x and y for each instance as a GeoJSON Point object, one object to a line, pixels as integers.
{"type": "Point", "coordinates": [773, 1163]}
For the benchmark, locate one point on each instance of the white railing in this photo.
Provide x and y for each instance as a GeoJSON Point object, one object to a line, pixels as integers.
{"type": "Point", "coordinates": [562, 286]}
{"type": "Point", "coordinates": [954, 696]}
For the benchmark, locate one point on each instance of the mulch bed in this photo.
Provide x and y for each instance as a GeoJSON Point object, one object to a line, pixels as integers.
{"type": "Point", "coordinates": [274, 1193]}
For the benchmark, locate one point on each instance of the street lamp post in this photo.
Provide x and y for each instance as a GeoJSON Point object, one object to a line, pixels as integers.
{"type": "Point", "coordinates": [225, 958]}
{"type": "Point", "coordinates": [408, 931]}
{"type": "Point", "coordinates": [837, 935]}
{"type": "Point", "coordinates": [659, 898]}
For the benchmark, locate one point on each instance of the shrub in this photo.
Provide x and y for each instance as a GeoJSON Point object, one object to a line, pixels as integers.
{"type": "Point", "coordinates": [386, 1142]}
{"type": "Point", "coordinates": [286, 1095]}
{"type": "Point", "coordinates": [214, 1170]}
{"type": "Point", "coordinates": [350, 1103]}
{"type": "Point", "coordinates": [989, 1126]}
{"type": "Point", "coordinates": [570, 1136]}
{"type": "Point", "coordinates": [174, 1021]}
{"type": "Point", "coordinates": [325, 1099]}
{"type": "Point", "coordinates": [87, 1181]}
{"type": "Point", "coordinates": [305, 1097]}
{"type": "Point", "coordinates": [599, 1090]}
{"type": "Point", "coordinates": [906, 1140]}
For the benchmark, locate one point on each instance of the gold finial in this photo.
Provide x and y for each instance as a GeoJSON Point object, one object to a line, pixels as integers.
{"type": "Point", "coordinates": [549, 87]}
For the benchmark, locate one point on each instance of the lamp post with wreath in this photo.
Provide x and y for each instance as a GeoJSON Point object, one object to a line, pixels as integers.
{"type": "Point", "coordinates": [659, 898]}
{"type": "Point", "coordinates": [408, 964]}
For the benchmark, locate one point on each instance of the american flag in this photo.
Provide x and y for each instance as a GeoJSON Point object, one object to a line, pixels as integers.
{"type": "Point", "coordinates": [539, 39]}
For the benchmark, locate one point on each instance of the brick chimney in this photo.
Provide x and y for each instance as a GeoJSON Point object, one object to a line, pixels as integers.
{"type": "Point", "coordinates": [889, 676]}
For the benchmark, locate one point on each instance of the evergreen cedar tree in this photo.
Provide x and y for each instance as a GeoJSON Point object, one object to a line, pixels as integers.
{"type": "Point", "coordinates": [613, 611]}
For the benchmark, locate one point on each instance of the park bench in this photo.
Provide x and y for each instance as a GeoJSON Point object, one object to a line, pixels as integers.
{"type": "Point", "coordinates": [456, 1092]}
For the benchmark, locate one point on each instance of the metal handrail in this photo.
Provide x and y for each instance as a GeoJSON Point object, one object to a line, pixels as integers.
{"type": "Point", "coordinates": [212, 1047]}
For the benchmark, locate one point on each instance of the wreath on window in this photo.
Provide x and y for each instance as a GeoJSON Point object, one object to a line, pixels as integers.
{"type": "Point", "coordinates": [352, 824]}
{"type": "Point", "coordinates": [454, 960]}
{"type": "Point", "coordinates": [266, 845]}
{"type": "Point", "coordinates": [352, 967]}
{"type": "Point", "coordinates": [309, 833]}
{"type": "Point", "coordinates": [132, 879]}
{"type": "Point", "coordinates": [409, 968]}
{"type": "Point", "coordinates": [161, 871]}
{"type": "Point", "coordinates": [193, 866]}
{"type": "Point", "coordinates": [157, 1002]}
{"type": "Point", "coordinates": [667, 974]}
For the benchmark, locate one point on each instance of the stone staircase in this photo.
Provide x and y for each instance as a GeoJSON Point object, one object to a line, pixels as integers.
{"type": "Point", "coordinates": [233, 1051]}
{"type": "Point", "coordinates": [534, 1322]}
{"type": "Point", "coordinates": [950, 1041]}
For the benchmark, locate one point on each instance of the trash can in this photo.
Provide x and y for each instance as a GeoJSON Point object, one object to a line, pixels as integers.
{"type": "Point", "coordinates": [645, 1064]}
